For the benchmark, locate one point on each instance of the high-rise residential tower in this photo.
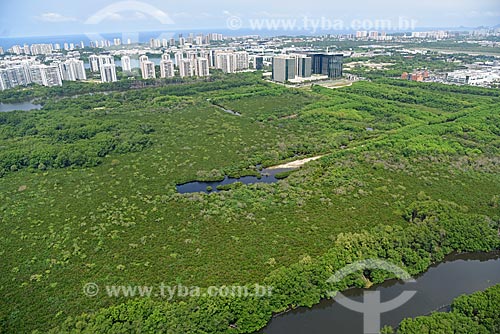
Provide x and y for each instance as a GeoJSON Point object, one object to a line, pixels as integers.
{"type": "Point", "coordinates": [126, 66]}
{"type": "Point", "coordinates": [167, 68]}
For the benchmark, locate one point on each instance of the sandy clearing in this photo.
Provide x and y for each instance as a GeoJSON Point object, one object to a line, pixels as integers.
{"type": "Point", "coordinates": [296, 163]}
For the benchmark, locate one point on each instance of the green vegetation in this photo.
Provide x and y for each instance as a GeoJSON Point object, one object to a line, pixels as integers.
{"type": "Point", "coordinates": [283, 175]}
{"type": "Point", "coordinates": [435, 229]}
{"type": "Point", "coordinates": [458, 45]}
{"type": "Point", "coordinates": [69, 88]}
{"type": "Point", "coordinates": [401, 62]}
{"type": "Point", "coordinates": [476, 313]}
{"type": "Point", "coordinates": [425, 182]}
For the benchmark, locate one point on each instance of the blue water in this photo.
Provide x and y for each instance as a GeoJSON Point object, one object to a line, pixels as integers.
{"type": "Point", "coordinates": [436, 288]}
{"type": "Point", "coordinates": [6, 42]}
{"type": "Point", "coordinates": [142, 37]}
{"type": "Point", "coordinates": [267, 176]}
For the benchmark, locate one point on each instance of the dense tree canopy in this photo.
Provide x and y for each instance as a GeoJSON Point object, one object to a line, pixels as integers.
{"type": "Point", "coordinates": [409, 173]}
{"type": "Point", "coordinates": [477, 313]}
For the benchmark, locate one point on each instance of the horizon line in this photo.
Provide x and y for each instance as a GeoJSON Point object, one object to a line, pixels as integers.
{"type": "Point", "coordinates": [225, 29]}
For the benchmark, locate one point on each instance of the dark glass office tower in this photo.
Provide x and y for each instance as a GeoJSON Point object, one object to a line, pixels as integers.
{"type": "Point", "coordinates": [327, 64]}
{"type": "Point", "coordinates": [259, 63]}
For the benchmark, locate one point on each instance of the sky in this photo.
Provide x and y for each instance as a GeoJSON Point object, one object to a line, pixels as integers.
{"type": "Point", "coordinates": [20, 18]}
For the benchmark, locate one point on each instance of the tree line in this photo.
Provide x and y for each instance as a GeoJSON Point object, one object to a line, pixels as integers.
{"type": "Point", "coordinates": [433, 230]}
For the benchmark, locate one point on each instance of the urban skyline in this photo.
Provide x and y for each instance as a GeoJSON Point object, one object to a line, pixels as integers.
{"type": "Point", "coordinates": [193, 55]}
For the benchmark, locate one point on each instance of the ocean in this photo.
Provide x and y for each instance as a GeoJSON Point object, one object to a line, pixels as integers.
{"type": "Point", "coordinates": [141, 37]}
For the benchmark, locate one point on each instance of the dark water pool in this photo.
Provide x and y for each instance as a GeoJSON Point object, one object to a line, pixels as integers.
{"type": "Point", "coordinates": [267, 176]}
{"type": "Point", "coordinates": [436, 288]}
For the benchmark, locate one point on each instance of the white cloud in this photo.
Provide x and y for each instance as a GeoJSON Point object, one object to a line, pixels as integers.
{"type": "Point", "coordinates": [114, 17]}
{"type": "Point", "coordinates": [139, 16]}
{"type": "Point", "coordinates": [127, 16]}
{"type": "Point", "coordinates": [55, 17]}
{"type": "Point", "coordinates": [129, 11]}
{"type": "Point", "coordinates": [131, 16]}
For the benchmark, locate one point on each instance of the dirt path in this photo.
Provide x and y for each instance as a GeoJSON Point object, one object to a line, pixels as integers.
{"type": "Point", "coordinates": [296, 163]}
